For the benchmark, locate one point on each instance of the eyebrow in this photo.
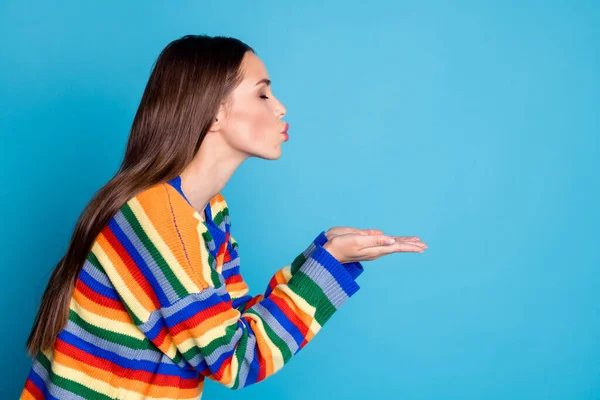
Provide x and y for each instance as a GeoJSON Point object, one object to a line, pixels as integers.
{"type": "Point", "coordinates": [265, 81]}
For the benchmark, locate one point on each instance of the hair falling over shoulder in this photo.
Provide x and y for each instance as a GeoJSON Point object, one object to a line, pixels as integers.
{"type": "Point", "coordinates": [190, 79]}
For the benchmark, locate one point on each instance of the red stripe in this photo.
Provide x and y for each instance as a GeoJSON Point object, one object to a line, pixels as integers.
{"type": "Point", "coordinates": [131, 266]}
{"type": "Point", "coordinates": [98, 298]}
{"type": "Point", "coordinates": [291, 315]}
{"type": "Point", "coordinates": [252, 302]}
{"type": "Point", "coordinates": [262, 367]}
{"type": "Point", "coordinates": [196, 319]}
{"type": "Point", "coordinates": [221, 372]}
{"type": "Point", "coordinates": [138, 375]}
{"type": "Point", "coordinates": [160, 338]}
{"type": "Point", "coordinates": [234, 279]}
{"type": "Point", "coordinates": [34, 390]}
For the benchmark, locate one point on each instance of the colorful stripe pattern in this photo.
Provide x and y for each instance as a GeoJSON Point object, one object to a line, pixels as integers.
{"type": "Point", "coordinates": [160, 304]}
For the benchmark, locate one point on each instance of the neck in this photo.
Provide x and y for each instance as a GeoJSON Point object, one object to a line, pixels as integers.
{"type": "Point", "coordinates": [209, 171]}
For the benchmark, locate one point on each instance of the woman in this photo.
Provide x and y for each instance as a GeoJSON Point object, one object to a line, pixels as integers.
{"type": "Point", "coordinates": [149, 300]}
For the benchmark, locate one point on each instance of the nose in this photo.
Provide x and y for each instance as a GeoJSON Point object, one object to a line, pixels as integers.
{"type": "Point", "coordinates": [280, 110]}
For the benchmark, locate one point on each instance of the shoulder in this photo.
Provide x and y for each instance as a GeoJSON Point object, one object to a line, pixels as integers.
{"type": "Point", "coordinates": [161, 195]}
{"type": "Point", "coordinates": [162, 208]}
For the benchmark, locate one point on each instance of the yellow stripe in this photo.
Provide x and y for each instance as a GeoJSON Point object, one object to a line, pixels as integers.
{"type": "Point", "coordinates": [302, 304]}
{"type": "Point", "coordinates": [120, 286]}
{"type": "Point", "coordinates": [160, 244]}
{"type": "Point", "coordinates": [133, 395]}
{"type": "Point", "coordinates": [208, 336]}
{"type": "Point", "coordinates": [105, 323]}
{"type": "Point", "coordinates": [84, 379]}
{"type": "Point", "coordinates": [276, 355]}
{"type": "Point", "coordinates": [204, 254]}
{"type": "Point", "coordinates": [239, 293]}
{"type": "Point", "coordinates": [287, 272]}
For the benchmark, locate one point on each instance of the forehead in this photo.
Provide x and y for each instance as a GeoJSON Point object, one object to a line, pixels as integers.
{"type": "Point", "coordinates": [254, 69]}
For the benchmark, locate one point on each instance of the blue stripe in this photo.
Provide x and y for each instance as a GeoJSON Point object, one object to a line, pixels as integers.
{"type": "Point", "coordinates": [97, 286]}
{"type": "Point", "coordinates": [141, 365]}
{"type": "Point", "coordinates": [39, 382]}
{"type": "Point", "coordinates": [283, 320]}
{"type": "Point", "coordinates": [236, 303]}
{"type": "Point", "coordinates": [222, 358]}
{"type": "Point", "coordinates": [195, 307]}
{"type": "Point", "coordinates": [153, 332]}
{"type": "Point", "coordinates": [336, 269]}
{"type": "Point", "coordinates": [138, 259]}
{"type": "Point", "coordinates": [231, 271]}
{"type": "Point", "coordinates": [254, 365]}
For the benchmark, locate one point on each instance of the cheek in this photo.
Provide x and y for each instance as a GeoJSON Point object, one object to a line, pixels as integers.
{"type": "Point", "coordinates": [261, 127]}
{"type": "Point", "coordinates": [258, 125]}
{"type": "Point", "coordinates": [251, 124]}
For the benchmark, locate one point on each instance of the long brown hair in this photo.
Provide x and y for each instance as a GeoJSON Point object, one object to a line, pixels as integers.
{"type": "Point", "coordinates": [190, 79]}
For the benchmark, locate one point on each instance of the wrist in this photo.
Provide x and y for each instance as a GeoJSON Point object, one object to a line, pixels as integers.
{"type": "Point", "coordinates": [327, 247]}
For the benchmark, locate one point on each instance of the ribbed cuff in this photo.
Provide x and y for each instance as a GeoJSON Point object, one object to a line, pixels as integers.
{"type": "Point", "coordinates": [329, 267]}
{"type": "Point", "coordinates": [323, 282]}
{"type": "Point", "coordinates": [354, 268]}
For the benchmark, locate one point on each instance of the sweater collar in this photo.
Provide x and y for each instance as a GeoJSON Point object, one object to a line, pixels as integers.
{"type": "Point", "coordinates": [176, 183]}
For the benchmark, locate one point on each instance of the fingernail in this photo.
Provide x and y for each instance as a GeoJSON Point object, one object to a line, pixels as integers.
{"type": "Point", "coordinates": [390, 241]}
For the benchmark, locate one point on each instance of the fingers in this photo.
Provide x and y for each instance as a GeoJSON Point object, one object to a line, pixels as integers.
{"type": "Point", "coordinates": [410, 240]}
{"type": "Point", "coordinates": [366, 241]}
{"type": "Point", "coordinates": [368, 232]}
{"type": "Point", "coordinates": [410, 247]}
{"type": "Point", "coordinates": [374, 253]}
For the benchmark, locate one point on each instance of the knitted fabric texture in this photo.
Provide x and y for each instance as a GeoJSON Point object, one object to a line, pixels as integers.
{"type": "Point", "coordinates": [160, 305]}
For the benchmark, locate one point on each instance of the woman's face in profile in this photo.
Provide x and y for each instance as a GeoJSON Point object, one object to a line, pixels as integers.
{"type": "Point", "coordinates": [253, 124]}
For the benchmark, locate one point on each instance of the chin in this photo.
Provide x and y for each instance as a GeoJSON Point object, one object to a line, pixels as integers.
{"type": "Point", "coordinates": [273, 155]}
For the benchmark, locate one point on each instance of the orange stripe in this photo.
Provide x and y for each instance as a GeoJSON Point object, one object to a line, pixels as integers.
{"type": "Point", "coordinates": [157, 203]}
{"type": "Point", "coordinates": [206, 324]}
{"type": "Point", "coordinates": [28, 396]}
{"type": "Point", "coordinates": [93, 307]}
{"type": "Point", "coordinates": [264, 350]}
{"type": "Point", "coordinates": [236, 286]}
{"type": "Point", "coordinates": [115, 380]}
{"type": "Point", "coordinates": [198, 325]}
{"type": "Point", "coordinates": [124, 273]}
{"type": "Point", "coordinates": [300, 313]}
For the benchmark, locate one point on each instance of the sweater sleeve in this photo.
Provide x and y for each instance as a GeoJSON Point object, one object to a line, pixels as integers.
{"type": "Point", "coordinates": [239, 289]}
{"type": "Point", "coordinates": [168, 281]}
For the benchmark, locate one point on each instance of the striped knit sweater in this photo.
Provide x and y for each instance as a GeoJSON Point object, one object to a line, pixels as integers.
{"type": "Point", "coordinates": [160, 305]}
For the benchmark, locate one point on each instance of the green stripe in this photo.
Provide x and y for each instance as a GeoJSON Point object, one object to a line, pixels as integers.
{"type": "Point", "coordinates": [297, 263]}
{"type": "Point", "coordinates": [118, 338]}
{"type": "Point", "coordinates": [68, 384]}
{"type": "Point", "coordinates": [239, 354]}
{"type": "Point", "coordinates": [279, 342]}
{"type": "Point", "coordinates": [153, 251]}
{"type": "Point", "coordinates": [135, 318]}
{"type": "Point", "coordinates": [96, 263]}
{"type": "Point", "coordinates": [41, 357]}
{"type": "Point", "coordinates": [207, 236]}
{"type": "Point", "coordinates": [214, 275]}
{"type": "Point", "coordinates": [220, 216]}
{"type": "Point", "coordinates": [306, 288]}
{"type": "Point", "coordinates": [111, 336]}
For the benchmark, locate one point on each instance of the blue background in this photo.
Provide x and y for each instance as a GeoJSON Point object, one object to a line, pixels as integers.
{"type": "Point", "coordinates": [474, 125]}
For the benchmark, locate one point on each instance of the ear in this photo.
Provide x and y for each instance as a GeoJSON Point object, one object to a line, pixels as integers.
{"type": "Point", "coordinates": [218, 121]}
